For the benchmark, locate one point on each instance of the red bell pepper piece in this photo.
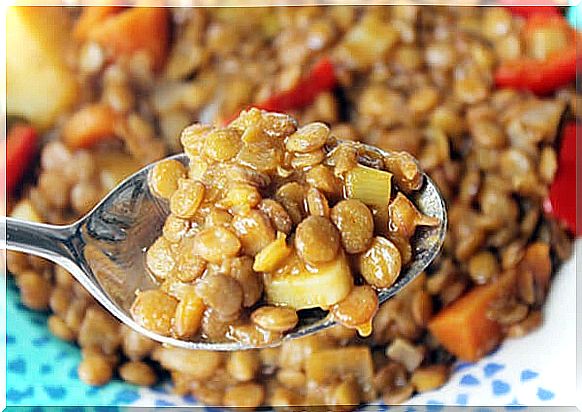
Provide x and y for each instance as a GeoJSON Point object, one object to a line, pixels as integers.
{"type": "Point", "coordinates": [541, 76]}
{"type": "Point", "coordinates": [321, 78]}
{"type": "Point", "coordinates": [542, 20]}
{"type": "Point", "coordinates": [526, 11]}
{"type": "Point", "coordinates": [561, 201]}
{"type": "Point", "coordinates": [21, 147]}
{"type": "Point", "coordinates": [538, 76]}
{"type": "Point", "coordinates": [526, 8]}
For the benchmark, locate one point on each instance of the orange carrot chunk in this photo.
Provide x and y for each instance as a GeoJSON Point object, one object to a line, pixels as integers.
{"type": "Point", "coordinates": [91, 17]}
{"type": "Point", "coordinates": [137, 29]}
{"type": "Point", "coordinates": [89, 125]}
{"type": "Point", "coordinates": [464, 329]}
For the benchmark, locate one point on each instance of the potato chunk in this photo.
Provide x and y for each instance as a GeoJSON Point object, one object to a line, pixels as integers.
{"type": "Point", "coordinates": [328, 365]}
{"type": "Point", "coordinates": [301, 287]}
{"type": "Point", "coordinates": [39, 84]}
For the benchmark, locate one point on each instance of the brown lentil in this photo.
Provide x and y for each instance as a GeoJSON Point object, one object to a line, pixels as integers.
{"type": "Point", "coordinates": [214, 327]}
{"type": "Point", "coordinates": [254, 231]}
{"type": "Point", "coordinates": [483, 267]}
{"type": "Point", "coordinates": [99, 331]}
{"type": "Point", "coordinates": [241, 198]}
{"type": "Point", "coordinates": [429, 377]}
{"type": "Point", "coordinates": [164, 177]}
{"type": "Point", "coordinates": [75, 314]}
{"type": "Point", "coordinates": [252, 335]}
{"type": "Point", "coordinates": [391, 375]}
{"type": "Point", "coordinates": [355, 223]}
{"type": "Point", "coordinates": [277, 319]}
{"type": "Point", "coordinates": [241, 269]}
{"type": "Point", "coordinates": [380, 264]}
{"type": "Point", "coordinates": [174, 228]}
{"type": "Point", "coordinates": [185, 201]}
{"type": "Point", "coordinates": [317, 240]}
{"type": "Point", "coordinates": [159, 258]}
{"type": "Point", "coordinates": [221, 292]}
{"type": "Point", "coordinates": [34, 290]}
{"type": "Point", "coordinates": [302, 161]}
{"type": "Point", "coordinates": [60, 300]}
{"type": "Point", "coordinates": [357, 309]}
{"type": "Point", "coordinates": [291, 196]}
{"type": "Point", "coordinates": [398, 395]}
{"type": "Point", "coordinates": [188, 316]}
{"type": "Point", "coordinates": [244, 395]}
{"type": "Point", "coordinates": [215, 244]}
{"type": "Point", "coordinates": [190, 266]}
{"type": "Point", "coordinates": [217, 217]}
{"type": "Point", "coordinates": [509, 314]}
{"type": "Point", "coordinates": [322, 178]}
{"type": "Point", "coordinates": [308, 138]}
{"type": "Point", "coordinates": [199, 364]}
{"type": "Point", "coordinates": [530, 323]}
{"type": "Point", "coordinates": [59, 328]}
{"type": "Point", "coordinates": [95, 370]}
{"type": "Point", "coordinates": [277, 214]}
{"type": "Point", "coordinates": [317, 203]}
{"type": "Point", "coordinates": [221, 145]}
{"type": "Point", "coordinates": [403, 352]}
{"type": "Point", "coordinates": [243, 365]}
{"type": "Point", "coordinates": [154, 310]}
{"type": "Point", "coordinates": [138, 373]}
{"type": "Point", "coordinates": [406, 171]}
{"type": "Point", "coordinates": [135, 345]}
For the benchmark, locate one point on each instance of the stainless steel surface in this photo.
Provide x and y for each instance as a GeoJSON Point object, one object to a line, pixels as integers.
{"type": "Point", "coordinates": [105, 251]}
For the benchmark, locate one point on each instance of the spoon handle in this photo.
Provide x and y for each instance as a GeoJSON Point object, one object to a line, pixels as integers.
{"type": "Point", "coordinates": [57, 244]}
{"type": "Point", "coordinates": [46, 241]}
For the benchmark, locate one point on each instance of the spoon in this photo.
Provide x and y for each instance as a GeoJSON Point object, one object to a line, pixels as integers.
{"type": "Point", "coordinates": [104, 251]}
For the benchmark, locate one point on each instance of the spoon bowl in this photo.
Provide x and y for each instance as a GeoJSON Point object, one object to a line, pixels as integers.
{"type": "Point", "coordinates": [104, 251]}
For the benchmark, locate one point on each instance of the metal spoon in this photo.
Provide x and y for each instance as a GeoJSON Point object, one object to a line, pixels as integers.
{"type": "Point", "coordinates": [104, 251]}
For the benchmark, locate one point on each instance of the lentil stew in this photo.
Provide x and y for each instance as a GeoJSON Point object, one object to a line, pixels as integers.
{"type": "Point", "coordinates": [406, 78]}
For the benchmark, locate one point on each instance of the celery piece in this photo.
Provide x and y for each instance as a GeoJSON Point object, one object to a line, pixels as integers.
{"type": "Point", "coordinates": [371, 186]}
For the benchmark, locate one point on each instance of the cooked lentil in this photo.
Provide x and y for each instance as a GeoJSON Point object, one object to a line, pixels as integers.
{"type": "Point", "coordinates": [245, 395]}
{"type": "Point", "coordinates": [429, 378]}
{"type": "Point", "coordinates": [243, 365]}
{"type": "Point", "coordinates": [357, 309]}
{"type": "Point", "coordinates": [356, 225]}
{"type": "Point", "coordinates": [381, 263]}
{"type": "Point", "coordinates": [95, 370]}
{"type": "Point", "coordinates": [59, 328]}
{"type": "Point", "coordinates": [34, 290]}
{"type": "Point", "coordinates": [138, 373]}
{"type": "Point", "coordinates": [278, 319]}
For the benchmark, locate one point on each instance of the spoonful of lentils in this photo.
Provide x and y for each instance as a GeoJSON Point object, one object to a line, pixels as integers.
{"type": "Point", "coordinates": [260, 232]}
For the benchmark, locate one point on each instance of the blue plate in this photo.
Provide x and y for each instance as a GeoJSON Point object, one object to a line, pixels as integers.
{"type": "Point", "coordinates": [42, 370]}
